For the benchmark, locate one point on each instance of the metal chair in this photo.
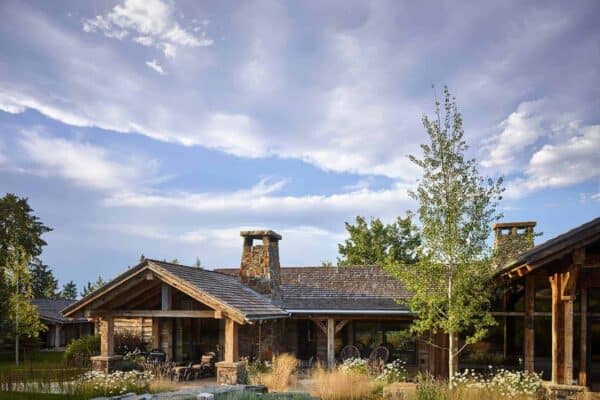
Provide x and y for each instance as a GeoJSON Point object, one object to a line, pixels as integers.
{"type": "Point", "coordinates": [349, 352]}
{"type": "Point", "coordinates": [378, 358]}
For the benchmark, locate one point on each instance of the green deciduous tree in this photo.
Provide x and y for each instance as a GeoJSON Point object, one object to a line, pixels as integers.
{"type": "Point", "coordinates": [20, 242]}
{"type": "Point", "coordinates": [43, 283]}
{"type": "Point", "coordinates": [450, 282]}
{"type": "Point", "coordinates": [375, 243]}
{"type": "Point", "coordinates": [90, 287]}
{"type": "Point", "coordinates": [69, 291]}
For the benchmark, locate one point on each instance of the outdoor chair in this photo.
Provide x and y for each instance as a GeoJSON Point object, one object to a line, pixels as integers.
{"type": "Point", "coordinates": [206, 367]}
{"type": "Point", "coordinates": [378, 358]}
{"type": "Point", "coordinates": [182, 373]}
{"type": "Point", "coordinates": [349, 352]}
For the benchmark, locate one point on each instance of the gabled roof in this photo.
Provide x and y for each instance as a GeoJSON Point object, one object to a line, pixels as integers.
{"type": "Point", "coordinates": [577, 237]}
{"type": "Point", "coordinates": [227, 289]}
{"type": "Point", "coordinates": [368, 289]}
{"type": "Point", "coordinates": [224, 291]}
{"type": "Point", "coordinates": [50, 311]}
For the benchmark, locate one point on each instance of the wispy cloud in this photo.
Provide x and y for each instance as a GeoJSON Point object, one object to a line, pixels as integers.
{"type": "Point", "coordinates": [151, 21]}
{"type": "Point", "coordinates": [82, 163]}
{"type": "Point", "coordinates": [156, 67]}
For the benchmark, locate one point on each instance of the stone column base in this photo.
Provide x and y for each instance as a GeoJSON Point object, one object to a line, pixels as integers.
{"type": "Point", "coordinates": [230, 373]}
{"type": "Point", "coordinates": [106, 364]}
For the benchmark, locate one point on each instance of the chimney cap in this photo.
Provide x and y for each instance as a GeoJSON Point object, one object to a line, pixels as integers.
{"type": "Point", "coordinates": [259, 234]}
{"type": "Point", "coordinates": [523, 224]}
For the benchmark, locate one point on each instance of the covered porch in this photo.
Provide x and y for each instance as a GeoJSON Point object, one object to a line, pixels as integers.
{"type": "Point", "coordinates": [555, 294]}
{"type": "Point", "coordinates": [186, 313]}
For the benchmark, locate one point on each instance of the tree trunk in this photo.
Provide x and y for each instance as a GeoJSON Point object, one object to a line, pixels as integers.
{"type": "Point", "coordinates": [452, 356]}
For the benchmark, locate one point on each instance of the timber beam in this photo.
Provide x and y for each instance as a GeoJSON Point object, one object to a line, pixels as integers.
{"type": "Point", "coordinates": [154, 313]}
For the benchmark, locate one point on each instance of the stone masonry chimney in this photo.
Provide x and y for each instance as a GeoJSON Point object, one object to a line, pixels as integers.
{"type": "Point", "coordinates": [512, 238]}
{"type": "Point", "coordinates": [260, 267]}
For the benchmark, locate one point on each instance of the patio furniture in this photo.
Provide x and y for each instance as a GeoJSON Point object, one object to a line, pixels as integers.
{"type": "Point", "coordinates": [378, 358]}
{"type": "Point", "coordinates": [183, 373]}
{"type": "Point", "coordinates": [349, 352]}
{"type": "Point", "coordinates": [206, 367]}
{"type": "Point", "coordinates": [157, 356]}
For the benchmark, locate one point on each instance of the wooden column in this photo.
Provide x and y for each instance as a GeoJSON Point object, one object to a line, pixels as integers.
{"type": "Point", "coordinates": [155, 333]}
{"type": "Point", "coordinates": [166, 297]}
{"type": "Point", "coordinates": [107, 339]}
{"type": "Point", "coordinates": [557, 329]}
{"type": "Point", "coordinates": [583, 354]}
{"type": "Point", "coordinates": [529, 333]}
{"type": "Point", "coordinates": [57, 335]}
{"type": "Point", "coordinates": [231, 341]}
{"type": "Point", "coordinates": [330, 343]}
{"type": "Point", "coordinates": [568, 338]}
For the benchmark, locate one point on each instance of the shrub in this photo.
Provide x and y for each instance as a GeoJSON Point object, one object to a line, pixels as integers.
{"type": "Point", "coordinates": [95, 383]}
{"type": "Point", "coordinates": [280, 377]}
{"type": "Point", "coordinates": [500, 384]}
{"type": "Point", "coordinates": [339, 385]}
{"type": "Point", "coordinates": [355, 366]}
{"type": "Point", "coordinates": [393, 372]}
{"type": "Point", "coordinates": [79, 351]}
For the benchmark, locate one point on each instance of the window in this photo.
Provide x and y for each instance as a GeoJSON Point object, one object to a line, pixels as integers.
{"type": "Point", "coordinates": [390, 334]}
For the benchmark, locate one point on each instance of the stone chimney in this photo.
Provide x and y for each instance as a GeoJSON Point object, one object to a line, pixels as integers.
{"type": "Point", "coordinates": [512, 238]}
{"type": "Point", "coordinates": [260, 267]}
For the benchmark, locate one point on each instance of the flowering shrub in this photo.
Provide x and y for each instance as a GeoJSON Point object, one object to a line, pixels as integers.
{"type": "Point", "coordinates": [508, 384]}
{"type": "Point", "coordinates": [101, 384]}
{"type": "Point", "coordinates": [355, 366]}
{"type": "Point", "coordinates": [393, 372]}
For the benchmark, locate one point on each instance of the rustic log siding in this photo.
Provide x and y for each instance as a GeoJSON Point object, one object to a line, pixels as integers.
{"type": "Point", "coordinates": [140, 327]}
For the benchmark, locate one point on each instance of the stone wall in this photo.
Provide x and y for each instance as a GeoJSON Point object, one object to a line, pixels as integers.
{"type": "Point", "coordinates": [267, 339]}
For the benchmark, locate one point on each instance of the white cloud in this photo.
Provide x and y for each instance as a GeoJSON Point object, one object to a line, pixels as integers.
{"type": "Point", "coordinates": [152, 21]}
{"type": "Point", "coordinates": [83, 163]}
{"type": "Point", "coordinates": [144, 40]}
{"type": "Point", "coordinates": [155, 66]}
{"type": "Point", "coordinates": [521, 129]}
{"type": "Point", "coordinates": [263, 200]}
{"type": "Point", "coordinates": [572, 161]}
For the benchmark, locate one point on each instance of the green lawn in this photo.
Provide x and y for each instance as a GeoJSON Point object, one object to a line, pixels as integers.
{"type": "Point", "coordinates": [42, 366]}
{"type": "Point", "coordinates": [32, 359]}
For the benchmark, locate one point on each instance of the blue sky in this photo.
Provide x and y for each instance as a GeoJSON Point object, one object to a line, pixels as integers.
{"type": "Point", "coordinates": [165, 127]}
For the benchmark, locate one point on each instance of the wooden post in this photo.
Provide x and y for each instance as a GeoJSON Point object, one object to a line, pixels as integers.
{"type": "Point", "coordinates": [568, 342]}
{"type": "Point", "coordinates": [557, 329]}
{"type": "Point", "coordinates": [57, 335]}
{"type": "Point", "coordinates": [155, 333]}
{"type": "Point", "coordinates": [166, 297]}
{"type": "Point", "coordinates": [231, 341]}
{"type": "Point", "coordinates": [169, 338]}
{"type": "Point", "coordinates": [529, 333]}
{"type": "Point", "coordinates": [583, 354]}
{"type": "Point", "coordinates": [330, 343]}
{"type": "Point", "coordinates": [107, 338]}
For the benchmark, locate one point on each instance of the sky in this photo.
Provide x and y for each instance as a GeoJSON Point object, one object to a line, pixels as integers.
{"type": "Point", "coordinates": [164, 128]}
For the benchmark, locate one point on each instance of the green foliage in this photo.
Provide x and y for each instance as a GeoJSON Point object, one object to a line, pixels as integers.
{"type": "Point", "coordinates": [79, 351]}
{"type": "Point", "coordinates": [198, 263]}
{"type": "Point", "coordinates": [43, 283]}
{"type": "Point", "coordinates": [376, 243]}
{"type": "Point", "coordinates": [20, 242]}
{"type": "Point", "coordinates": [90, 287]}
{"type": "Point", "coordinates": [69, 291]}
{"type": "Point", "coordinates": [450, 282]}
